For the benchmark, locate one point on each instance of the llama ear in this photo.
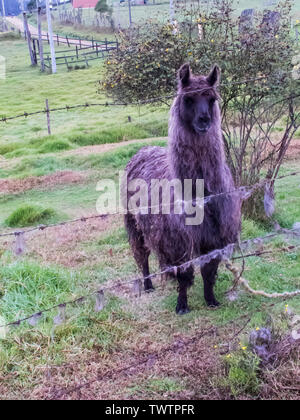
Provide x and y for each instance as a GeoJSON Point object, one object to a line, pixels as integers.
{"type": "Point", "coordinates": [214, 76]}
{"type": "Point", "coordinates": [184, 74]}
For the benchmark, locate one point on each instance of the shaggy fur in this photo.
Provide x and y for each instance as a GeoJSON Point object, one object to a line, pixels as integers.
{"type": "Point", "coordinates": [195, 151]}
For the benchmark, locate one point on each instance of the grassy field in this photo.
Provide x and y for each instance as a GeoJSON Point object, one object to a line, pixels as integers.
{"type": "Point", "coordinates": [60, 173]}
{"type": "Point", "coordinates": [70, 129]}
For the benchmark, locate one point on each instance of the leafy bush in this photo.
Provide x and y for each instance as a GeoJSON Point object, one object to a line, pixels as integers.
{"type": "Point", "coordinates": [145, 65]}
{"type": "Point", "coordinates": [102, 7]}
{"type": "Point", "coordinates": [28, 215]}
{"type": "Point", "coordinates": [257, 87]}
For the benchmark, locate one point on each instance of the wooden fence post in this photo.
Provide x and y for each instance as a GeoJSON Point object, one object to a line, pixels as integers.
{"type": "Point", "coordinates": [41, 48]}
{"type": "Point", "coordinates": [34, 52]}
{"type": "Point", "coordinates": [66, 62]}
{"type": "Point", "coordinates": [48, 117]}
{"type": "Point", "coordinates": [28, 36]}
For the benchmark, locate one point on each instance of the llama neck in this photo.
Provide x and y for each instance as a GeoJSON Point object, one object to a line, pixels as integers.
{"type": "Point", "coordinates": [197, 156]}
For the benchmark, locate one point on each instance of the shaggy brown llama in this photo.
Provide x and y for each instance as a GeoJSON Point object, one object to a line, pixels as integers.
{"type": "Point", "coordinates": [195, 151]}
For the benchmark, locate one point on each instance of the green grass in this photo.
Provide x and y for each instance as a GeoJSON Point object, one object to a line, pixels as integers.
{"type": "Point", "coordinates": [8, 36]}
{"type": "Point", "coordinates": [29, 215]}
{"type": "Point", "coordinates": [94, 125]}
{"type": "Point", "coordinates": [127, 327]}
{"type": "Point", "coordinates": [67, 200]}
{"type": "Point", "coordinates": [30, 287]}
{"type": "Point", "coordinates": [54, 146]}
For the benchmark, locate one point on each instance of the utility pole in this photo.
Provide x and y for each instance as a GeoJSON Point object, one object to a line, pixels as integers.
{"type": "Point", "coordinates": [172, 16]}
{"type": "Point", "coordinates": [4, 15]}
{"type": "Point", "coordinates": [51, 41]}
{"type": "Point", "coordinates": [129, 8]}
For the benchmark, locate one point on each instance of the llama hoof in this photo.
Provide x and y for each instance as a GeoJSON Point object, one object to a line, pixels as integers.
{"type": "Point", "coordinates": [182, 311]}
{"type": "Point", "coordinates": [150, 290]}
{"type": "Point", "coordinates": [213, 303]}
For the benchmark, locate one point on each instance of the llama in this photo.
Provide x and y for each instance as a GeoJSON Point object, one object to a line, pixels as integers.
{"type": "Point", "coordinates": [195, 151]}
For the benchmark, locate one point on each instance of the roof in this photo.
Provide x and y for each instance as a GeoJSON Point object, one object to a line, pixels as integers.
{"type": "Point", "coordinates": [84, 3]}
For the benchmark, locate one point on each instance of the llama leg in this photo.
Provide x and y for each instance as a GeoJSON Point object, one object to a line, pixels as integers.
{"type": "Point", "coordinates": [209, 274]}
{"type": "Point", "coordinates": [140, 252]}
{"type": "Point", "coordinates": [185, 280]}
{"type": "Point", "coordinates": [148, 286]}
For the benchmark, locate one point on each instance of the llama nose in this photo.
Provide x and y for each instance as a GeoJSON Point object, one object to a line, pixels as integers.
{"type": "Point", "coordinates": [204, 119]}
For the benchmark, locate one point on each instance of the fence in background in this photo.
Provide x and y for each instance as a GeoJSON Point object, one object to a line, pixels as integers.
{"type": "Point", "coordinates": [80, 50]}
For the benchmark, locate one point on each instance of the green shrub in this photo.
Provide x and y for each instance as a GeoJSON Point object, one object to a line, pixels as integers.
{"type": "Point", "coordinates": [28, 215]}
{"type": "Point", "coordinates": [256, 80]}
{"type": "Point", "coordinates": [145, 65]}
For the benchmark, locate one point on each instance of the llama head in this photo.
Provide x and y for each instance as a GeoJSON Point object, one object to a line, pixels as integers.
{"type": "Point", "coordinates": [197, 99]}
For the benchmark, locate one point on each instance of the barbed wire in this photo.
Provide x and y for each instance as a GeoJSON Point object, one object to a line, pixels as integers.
{"type": "Point", "coordinates": [151, 359]}
{"type": "Point", "coordinates": [43, 227]}
{"type": "Point", "coordinates": [223, 254]}
{"type": "Point", "coordinates": [136, 103]}
{"type": "Point", "coordinates": [245, 190]}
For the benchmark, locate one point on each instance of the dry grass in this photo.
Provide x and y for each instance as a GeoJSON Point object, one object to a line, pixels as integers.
{"type": "Point", "coordinates": [63, 245]}
{"type": "Point", "coordinates": [46, 182]}
{"type": "Point", "coordinates": [190, 365]}
{"type": "Point", "coordinates": [281, 377]}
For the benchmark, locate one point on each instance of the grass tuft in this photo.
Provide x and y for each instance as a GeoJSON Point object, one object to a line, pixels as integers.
{"type": "Point", "coordinates": [28, 215]}
{"type": "Point", "coordinates": [54, 146]}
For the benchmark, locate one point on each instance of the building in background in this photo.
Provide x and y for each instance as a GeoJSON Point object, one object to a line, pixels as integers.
{"type": "Point", "coordinates": [85, 4]}
{"type": "Point", "coordinates": [12, 7]}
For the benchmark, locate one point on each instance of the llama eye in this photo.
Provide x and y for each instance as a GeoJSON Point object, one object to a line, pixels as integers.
{"type": "Point", "coordinates": [188, 101]}
{"type": "Point", "coordinates": [212, 101]}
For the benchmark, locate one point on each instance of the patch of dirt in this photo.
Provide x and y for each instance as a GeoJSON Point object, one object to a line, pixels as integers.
{"type": "Point", "coordinates": [102, 148]}
{"type": "Point", "coordinates": [82, 151]}
{"type": "Point", "coordinates": [15, 186]}
{"type": "Point", "coordinates": [126, 373]}
{"type": "Point", "coordinates": [63, 244]}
